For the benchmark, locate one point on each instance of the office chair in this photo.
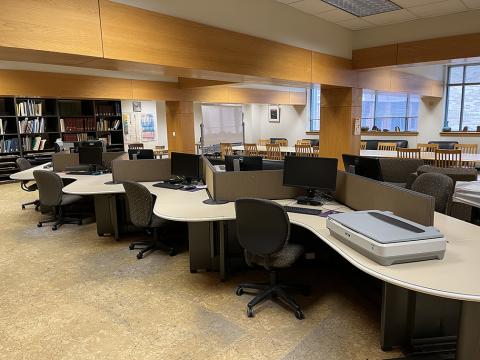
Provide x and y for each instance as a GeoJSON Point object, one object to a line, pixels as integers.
{"type": "Point", "coordinates": [135, 146]}
{"type": "Point", "coordinates": [439, 186]}
{"type": "Point", "coordinates": [50, 192]}
{"type": "Point", "coordinates": [266, 244]}
{"type": "Point", "coordinates": [24, 164]}
{"type": "Point", "coordinates": [140, 204]}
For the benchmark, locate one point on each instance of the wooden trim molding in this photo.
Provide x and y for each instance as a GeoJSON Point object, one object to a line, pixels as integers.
{"type": "Point", "coordinates": [389, 133]}
{"type": "Point", "coordinates": [460, 133]}
{"type": "Point", "coordinates": [312, 132]}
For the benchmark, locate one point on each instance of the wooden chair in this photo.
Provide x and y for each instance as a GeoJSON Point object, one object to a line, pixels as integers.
{"type": "Point", "coordinates": [226, 149]}
{"type": "Point", "coordinates": [448, 158]}
{"type": "Point", "coordinates": [303, 150]}
{"type": "Point", "coordinates": [427, 147]}
{"type": "Point", "coordinates": [386, 146]}
{"type": "Point", "coordinates": [363, 145]}
{"type": "Point", "coordinates": [408, 153]}
{"type": "Point", "coordinates": [304, 142]}
{"type": "Point", "coordinates": [316, 151]}
{"type": "Point", "coordinates": [135, 146]}
{"type": "Point", "coordinates": [274, 152]}
{"type": "Point", "coordinates": [467, 149]}
{"type": "Point", "coordinates": [263, 142]}
{"type": "Point", "coordinates": [281, 142]}
{"type": "Point", "coordinates": [250, 150]}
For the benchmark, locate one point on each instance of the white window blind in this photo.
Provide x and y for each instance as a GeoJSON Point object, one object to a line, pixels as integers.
{"type": "Point", "coordinates": [222, 124]}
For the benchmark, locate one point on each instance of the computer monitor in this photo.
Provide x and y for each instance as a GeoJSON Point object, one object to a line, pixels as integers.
{"type": "Point", "coordinates": [90, 156]}
{"type": "Point", "coordinates": [186, 166]}
{"type": "Point", "coordinates": [243, 163]}
{"type": "Point", "coordinates": [140, 154]}
{"type": "Point", "coordinates": [311, 173]}
{"type": "Point", "coordinates": [89, 143]}
{"type": "Point", "coordinates": [363, 166]}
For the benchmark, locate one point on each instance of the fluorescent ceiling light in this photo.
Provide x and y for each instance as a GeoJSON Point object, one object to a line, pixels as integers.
{"type": "Point", "coordinates": [362, 8]}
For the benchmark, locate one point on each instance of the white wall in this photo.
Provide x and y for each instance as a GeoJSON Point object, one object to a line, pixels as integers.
{"type": "Point", "coordinates": [157, 108]}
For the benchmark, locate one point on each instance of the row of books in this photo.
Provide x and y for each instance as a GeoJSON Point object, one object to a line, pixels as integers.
{"type": "Point", "coordinates": [106, 139]}
{"type": "Point", "coordinates": [9, 145]}
{"type": "Point", "coordinates": [3, 127]}
{"type": "Point", "coordinates": [109, 110]}
{"type": "Point", "coordinates": [35, 143]}
{"type": "Point", "coordinates": [77, 137]}
{"type": "Point", "coordinates": [27, 126]}
{"type": "Point", "coordinates": [77, 124]}
{"type": "Point", "coordinates": [29, 108]}
{"type": "Point", "coordinates": [104, 125]}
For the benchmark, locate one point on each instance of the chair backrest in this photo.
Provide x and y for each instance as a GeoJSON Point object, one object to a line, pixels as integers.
{"type": "Point", "coordinates": [408, 153]}
{"type": "Point", "coordinates": [467, 149]}
{"type": "Point", "coordinates": [316, 150]}
{"type": "Point", "coordinates": [448, 158]}
{"type": "Point", "coordinates": [135, 146]}
{"type": "Point", "coordinates": [387, 146]}
{"type": "Point", "coordinates": [251, 150]}
{"type": "Point", "coordinates": [304, 142]}
{"type": "Point", "coordinates": [263, 142]}
{"type": "Point", "coordinates": [140, 203]}
{"type": "Point", "coordinates": [303, 150]}
{"type": "Point", "coordinates": [274, 152]}
{"type": "Point", "coordinates": [427, 147]}
{"type": "Point", "coordinates": [49, 186]}
{"type": "Point", "coordinates": [263, 226]}
{"type": "Point", "coordinates": [226, 149]}
{"type": "Point", "coordinates": [363, 145]}
{"type": "Point", "coordinates": [23, 164]}
{"type": "Point", "coordinates": [439, 186]}
{"type": "Point", "coordinates": [281, 142]}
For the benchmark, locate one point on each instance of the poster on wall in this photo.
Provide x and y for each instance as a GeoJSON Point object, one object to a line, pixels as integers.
{"type": "Point", "coordinates": [125, 121]}
{"type": "Point", "coordinates": [147, 127]}
{"type": "Point", "coordinates": [274, 114]}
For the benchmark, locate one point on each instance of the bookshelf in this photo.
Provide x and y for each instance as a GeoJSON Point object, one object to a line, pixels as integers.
{"type": "Point", "coordinates": [29, 127]}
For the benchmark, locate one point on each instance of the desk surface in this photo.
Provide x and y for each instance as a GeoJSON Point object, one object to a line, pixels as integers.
{"type": "Point", "coordinates": [453, 277]}
{"type": "Point", "coordinates": [467, 192]}
{"type": "Point", "coordinates": [423, 155]}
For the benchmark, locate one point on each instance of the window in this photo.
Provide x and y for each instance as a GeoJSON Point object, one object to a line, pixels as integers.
{"type": "Point", "coordinates": [315, 109]}
{"type": "Point", "coordinates": [462, 111]}
{"type": "Point", "coordinates": [390, 111]}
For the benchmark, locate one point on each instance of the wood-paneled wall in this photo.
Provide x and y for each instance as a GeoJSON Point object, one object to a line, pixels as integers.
{"type": "Point", "coordinates": [180, 126]}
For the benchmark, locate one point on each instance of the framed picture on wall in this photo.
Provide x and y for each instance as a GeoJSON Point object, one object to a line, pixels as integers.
{"type": "Point", "coordinates": [137, 106]}
{"type": "Point", "coordinates": [274, 113]}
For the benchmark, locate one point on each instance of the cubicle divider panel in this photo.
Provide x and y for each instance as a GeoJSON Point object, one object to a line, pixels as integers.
{"type": "Point", "coordinates": [141, 170]}
{"type": "Point", "coordinates": [61, 161]}
{"type": "Point", "coordinates": [108, 157]}
{"type": "Point", "coordinates": [361, 193]}
{"type": "Point", "coordinates": [209, 176]}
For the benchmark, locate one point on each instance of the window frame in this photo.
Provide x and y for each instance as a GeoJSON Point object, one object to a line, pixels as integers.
{"type": "Point", "coordinates": [312, 120]}
{"type": "Point", "coordinates": [462, 101]}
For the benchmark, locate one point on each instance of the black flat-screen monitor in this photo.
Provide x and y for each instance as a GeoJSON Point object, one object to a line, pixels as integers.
{"type": "Point", "coordinates": [88, 143]}
{"type": "Point", "coordinates": [186, 166]}
{"type": "Point", "coordinates": [311, 173]}
{"type": "Point", "coordinates": [140, 154]}
{"type": "Point", "coordinates": [90, 155]}
{"type": "Point", "coordinates": [363, 166]}
{"type": "Point", "coordinates": [243, 163]}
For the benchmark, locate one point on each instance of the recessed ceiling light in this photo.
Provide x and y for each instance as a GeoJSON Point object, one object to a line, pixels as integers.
{"type": "Point", "coordinates": [362, 8]}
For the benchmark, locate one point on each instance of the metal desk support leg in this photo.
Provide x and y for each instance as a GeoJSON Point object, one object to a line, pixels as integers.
{"type": "Point", "coordinates": [112, 201]}
{"type": "Point", "coordinates": [468, 345]}
{"type": "Point", "coordinates": [223, 251]}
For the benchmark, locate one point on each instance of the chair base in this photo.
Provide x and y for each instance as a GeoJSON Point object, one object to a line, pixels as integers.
{"type": "Point", "coordinates": [151, 246]}
{"type": "Point", "coordinates": [273, 291]}
{"type": "Point", "coordinates": [60, 219]}
{"type": "Point", "coordinates": [36, 203]}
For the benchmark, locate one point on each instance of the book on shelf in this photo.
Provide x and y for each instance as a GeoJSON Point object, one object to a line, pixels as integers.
{"type": "Point", "coordinates": [29, 108]}
{"type": "Point", "coordinates": [77, 137]}
{"type": "Point", "coordinates": [9, 145]}
{"type": "Point", "coordinates": [62, 125]}
{"type": "Point", "coordinates": [107, 139]}
{"type": "Point", "coordinates": [31, 126]}
{"type": "Point", "coordinates": [2, 131]}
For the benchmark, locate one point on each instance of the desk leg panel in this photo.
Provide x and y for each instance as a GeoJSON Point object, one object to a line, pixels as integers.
{"type": "Point", "coordinates": [468, 345]}
{"type": "Point", "coordinates": [106, 215]}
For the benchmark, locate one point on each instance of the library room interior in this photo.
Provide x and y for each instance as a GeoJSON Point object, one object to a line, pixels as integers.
{"type": "Point", "coordinates": [240, 179]}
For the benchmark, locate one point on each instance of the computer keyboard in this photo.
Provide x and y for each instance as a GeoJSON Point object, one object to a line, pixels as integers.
{"type": "Point", "coordinates": [79, 173]}
{"type": "Point", "coordinates": [168, 186]}
{"type": "Point", "coordinates": [300, 210]}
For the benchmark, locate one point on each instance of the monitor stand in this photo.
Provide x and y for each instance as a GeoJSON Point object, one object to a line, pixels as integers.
{"type": "Point", "coordinates": [310, 199]}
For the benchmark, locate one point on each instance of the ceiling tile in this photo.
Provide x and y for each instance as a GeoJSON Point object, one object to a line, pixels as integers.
{"type": "Point", "coordinates": [437, 9]}
{"type": "Point", "coordinates": [391, 17]}
{"type": "Point", "coordinates": [411, 3]}
{"type": "Point", "coordinates": [354, 24]}
{"type": "Point", "coordinates": [472, 4]}
{"type": "Point", "coordinates": [312, 6]}
{"type": "Point", "coordinates": [335, 15]}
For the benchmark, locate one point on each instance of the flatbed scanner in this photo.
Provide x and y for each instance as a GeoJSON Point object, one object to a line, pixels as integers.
{"type": "Point", "coordinates": [385, 238]}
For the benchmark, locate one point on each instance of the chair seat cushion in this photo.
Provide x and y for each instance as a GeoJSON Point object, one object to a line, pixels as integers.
{"type": "Point", "coordinates": [283, 258]}
{"type": "Point", "coordinates": [157, 221]}
{"type": "Point", "coordinates": [68, 199]}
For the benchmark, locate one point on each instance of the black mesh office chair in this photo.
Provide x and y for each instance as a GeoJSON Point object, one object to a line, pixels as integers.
{"type": "Point", "coordinates": [140, 205]}
{"type": "Point", "coordinates": [439, 186]}
{"type": "Point", "coordinates": [263, 230]}
{"type": "Point", "coordinates": [24, 164]}
{"type": "Point", "coordinates": [50, 187]}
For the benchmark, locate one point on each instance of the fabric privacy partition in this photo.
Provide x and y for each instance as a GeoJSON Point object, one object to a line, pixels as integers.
{"type": "Point", "coordinates": [222, 124]}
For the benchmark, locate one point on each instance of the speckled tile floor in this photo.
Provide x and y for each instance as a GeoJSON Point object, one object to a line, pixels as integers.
{"type": "Point", "coordinates": [73, 295]}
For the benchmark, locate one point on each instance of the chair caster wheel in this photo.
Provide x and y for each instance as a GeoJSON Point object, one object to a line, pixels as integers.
{"type": "Point", "coordinates": [299, 315]}
{"type": "Point", "coordinates": [139, 256]}
{"type": "Point", "coordinates": [239, 291]}
{"type": "Point", "coordinates": [131, 246]}
{"type": "Point", "coordinates": [23, 207]}
{"type": "Point", "coordinates": [39, 225]}
{"type": "Point", "coordinates": [172, 252]}
{"type": "Point", "coordinates": [249, 312]}
{"type": "Point", "coordinates": [54, 228]}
